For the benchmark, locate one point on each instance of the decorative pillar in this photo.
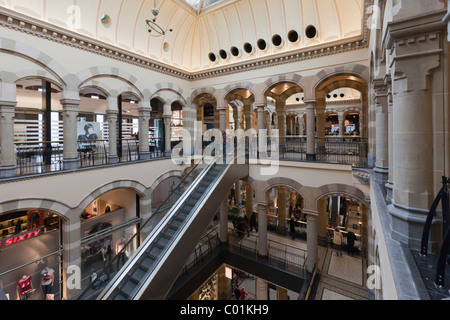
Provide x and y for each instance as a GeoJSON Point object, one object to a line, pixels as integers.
{"type": "Point", "coordinates": [389, 185]}
{"type": "Point", "coordinates": [281, 212]}
{"type": "Point", "coordinates": [341, 124]}
{"type": "Point", "coordinates": [262, 228]}
{"type": "Point", "coordinates": [310, 131]}
{"type": "Point", "coordinates": [7, 162]}
{"type": "Point", "coordinates": [222, 119]}
{"type": "Point", "coordinates": [70, 152]}
{"type": "Point", "coordinates": [417, 45]}
{"type": "Point", "coordinates": [144, 123]}
{"type": "Point", "coordinates": [248, 115]}
{"type": "Point", "coordinates": [320, 114]}
{"type": "Point", "coordinates": [261, 289]}
{"type": "Point", "coordinates": [260, 113]}
{"type": "Point", "coordinates": [167, 134]}
{"type": "Point", "coordinates": [112, 125]}
{"type": "Point", "coordinates": [382, 157]}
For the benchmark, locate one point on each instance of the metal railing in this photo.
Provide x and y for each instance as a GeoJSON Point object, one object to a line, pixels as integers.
{"type": "Point", "coordinates": [280, 255]}
{"type": "Point", "coordinates": [348, 149]}
{"type": "Point", "coordinates": [37, 157]}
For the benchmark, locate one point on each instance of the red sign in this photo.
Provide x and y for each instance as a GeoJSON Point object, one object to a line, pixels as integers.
{"type": "Point", "coordinates": [20, 237]}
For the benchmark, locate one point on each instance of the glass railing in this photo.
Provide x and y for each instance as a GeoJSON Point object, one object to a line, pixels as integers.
{"type": "Point", "coordinates": [102, 277]}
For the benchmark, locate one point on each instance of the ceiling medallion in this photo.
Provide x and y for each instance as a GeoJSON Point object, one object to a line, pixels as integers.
{"type": "Point", "coordinates": [153, 28]}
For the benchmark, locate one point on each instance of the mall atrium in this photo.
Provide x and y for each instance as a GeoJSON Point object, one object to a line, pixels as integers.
{"type": "Point", "coordinates": [115, 118]}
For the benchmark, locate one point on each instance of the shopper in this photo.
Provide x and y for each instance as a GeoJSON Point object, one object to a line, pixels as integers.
{"type": "Point", "coordinates": [243, 294]}
{"type": "Point", "coordinates": [237, 293]}
{"type": "Point", "coordinates": [292, 227]}
{"type": "Point", "coordinates": [253, 223]}
{"type": "Point", "coordinates": [351, 237]}
{"type": "Point", "coordinates": [337, 241]}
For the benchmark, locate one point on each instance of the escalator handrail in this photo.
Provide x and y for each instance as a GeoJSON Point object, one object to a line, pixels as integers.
{"type": "Point", "coordinates": [143, 226]}
{"type": "Point", "coordinates": [184, 227]}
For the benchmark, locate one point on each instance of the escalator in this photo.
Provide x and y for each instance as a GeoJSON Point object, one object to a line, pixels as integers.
{"type": "Point", "coordinates": [334, 212]}
{"type": "Point", "coordinates": [150, 273]}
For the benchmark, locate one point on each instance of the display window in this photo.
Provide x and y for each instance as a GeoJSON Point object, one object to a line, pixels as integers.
{"type": "Point", "coordinates": [30, 255]}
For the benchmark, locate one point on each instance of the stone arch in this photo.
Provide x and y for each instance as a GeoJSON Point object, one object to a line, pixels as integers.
{"type": "Point", "coordinates": [342, 189]}
{"type": "Point", "coordinates": [202, 91]}
{"type": "Point", "coordinates": [111, 72]}
{"type": "Point", "coordinates": [139, 188]}
{"type": "Point", "coordinates": [43, 60]}
{"type": "Point", "coordinates": [165, 176]}
{"type": "Point", "coordinates": [168, 86]}
{"type": "Point", "coordinates": [50, 205]}
{"type": "Point", "coordinates": [233, 87]}
{"type": "Point", "coordinates": [328, 76]}
{"type": "Point", "coordinates": [274, 81]}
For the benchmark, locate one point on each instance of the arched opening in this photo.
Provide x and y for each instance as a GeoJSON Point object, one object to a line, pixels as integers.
{"type": "Point", "coordinates": [283, 204]}
{"type": "Point", "coordinates": [38, 126]}
{"type": "Point", "coordinates": [107, 223]}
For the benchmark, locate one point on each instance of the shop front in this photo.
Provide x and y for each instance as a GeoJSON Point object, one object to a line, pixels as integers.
{"type": "Point", "coordinates": [30, 255]}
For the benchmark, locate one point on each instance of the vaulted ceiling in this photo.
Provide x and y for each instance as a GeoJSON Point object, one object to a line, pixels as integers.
{"type": "Point", "coordinates": [205, 33]}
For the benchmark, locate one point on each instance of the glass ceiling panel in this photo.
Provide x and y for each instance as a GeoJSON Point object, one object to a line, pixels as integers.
{"type": "Point", "coordinates": [203, 3]}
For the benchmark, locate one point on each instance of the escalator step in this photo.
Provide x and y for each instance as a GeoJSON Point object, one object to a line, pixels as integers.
{"type": "Point", "coordinates": [162, 242]}
{"type": "Point", "coordinates": [147, 263]}
{"type": "Point", "coordinates": [128, 288]}
{"type": "Point", "coordinates": [120, 296]}
{"type": "Point", "coordinates": [138, 274]}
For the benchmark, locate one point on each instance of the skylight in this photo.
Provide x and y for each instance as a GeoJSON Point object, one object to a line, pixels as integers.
{"type": "Point", "coordinates": [201, 4]}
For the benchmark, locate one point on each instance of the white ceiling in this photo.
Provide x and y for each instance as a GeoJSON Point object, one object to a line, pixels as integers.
{"type": "Point", "coordinates": [218, 25]}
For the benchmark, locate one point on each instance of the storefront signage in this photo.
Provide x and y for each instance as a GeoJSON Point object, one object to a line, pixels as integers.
{"type": "Point", "coordinates": [6, 242]}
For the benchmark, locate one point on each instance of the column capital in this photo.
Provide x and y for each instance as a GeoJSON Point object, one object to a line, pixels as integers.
{"type": "Point", "coordinates": [70, 102]}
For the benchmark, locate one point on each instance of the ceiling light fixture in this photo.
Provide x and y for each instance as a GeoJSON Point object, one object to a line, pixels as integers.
{"type": "Point", "coordinates": [152, 27]}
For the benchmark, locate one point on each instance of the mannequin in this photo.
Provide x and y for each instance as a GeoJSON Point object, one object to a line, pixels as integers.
{"type": "Point", "coordinates": [48, 275]}
{"type": "Point", "coordinates": [24, 288]}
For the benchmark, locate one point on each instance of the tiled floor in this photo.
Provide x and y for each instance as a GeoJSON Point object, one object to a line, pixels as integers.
{"type": "Point", "coordinates": [341, 277]}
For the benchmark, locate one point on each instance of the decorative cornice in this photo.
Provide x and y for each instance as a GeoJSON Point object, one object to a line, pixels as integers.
{"type": "Point", "coordinates": [16, 21]}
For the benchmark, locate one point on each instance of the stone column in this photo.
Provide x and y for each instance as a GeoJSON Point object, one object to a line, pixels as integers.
{"type": "Point", "coordinates": [262, 229]}
{"type": "Point", "coordinates": [223, 227]}
{"type": "Point", "coordinates": [310, 131]}
{"type": "Point", "coordinates": [248, 115]}
{"type": "Point", "coordinates": [112, 125]}
{"type": "Point", "coordinates": [281, 212]}
{"type": "Point", "coordinates": [144, 123]}
{"type": "Point", "coordinates": [7, 156]}
{"type": "Point", "coordinates": [417, 57]}
{"type": "Point", "coordinates": [320, 114]}
{"type": "Point", "coordinates": [222, 119]}
{"type": "Point", "coordinates": [312, 240]}
{"type": "Point", "coordinates": [261, 289]}
{"type": "Point", "coordinates": [70, 152]}
{"type": "Point", "coordinates": [341, 124]}
{"type": "Point", "coordinates": [167, 134]}
{"type": "Point", "coordinates": [322, 218]}
{"type": "Point", "coordinates": [389, 184]}
{"type": "Point", "coordinates": [260, 113]}
{"type": "Point", "coordinates": [382, 157]}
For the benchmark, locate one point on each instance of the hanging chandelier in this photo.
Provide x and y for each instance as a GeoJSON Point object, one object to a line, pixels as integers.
{"type": "Point", "coordinates": [153, 28]}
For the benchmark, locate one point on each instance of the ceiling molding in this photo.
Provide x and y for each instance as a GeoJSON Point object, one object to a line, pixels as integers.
{"type": "Point", "coordinates": [23, 23]}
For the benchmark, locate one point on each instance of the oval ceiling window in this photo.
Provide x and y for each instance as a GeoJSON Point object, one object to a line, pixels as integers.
{"type": "Point", "coordinates": [262, 45]}
{"type": "Point", "coordinates": [276, 40]}
{"type": "Point", "coordinates": [234, 51]}
{"type": "Point", "coordinates": [311, 32]}
{"type": "Point", "coordinates": [223, 54]}
{"type": "Point", "coordinates": [293, 36]}
{"type": "Point", "coordinates": [212, 57]}
{"type": "Point", "coordinates": [248, 47]}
